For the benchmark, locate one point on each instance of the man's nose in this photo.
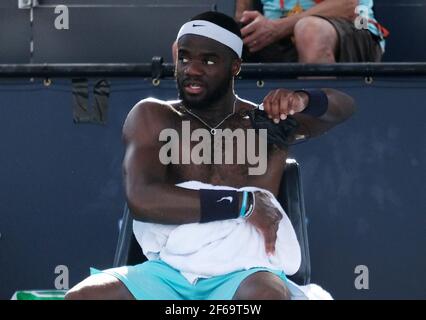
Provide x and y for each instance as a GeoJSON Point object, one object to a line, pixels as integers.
{"type": "Point", "coordinates": [194, 68]}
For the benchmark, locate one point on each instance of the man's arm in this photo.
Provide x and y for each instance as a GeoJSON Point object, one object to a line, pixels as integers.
{"type": "Point", "coordinates": [261, 32]}
{"type": "Point", "coordinates": [149, 196]}
{"type": "Point", "coordinates": [280, 103]}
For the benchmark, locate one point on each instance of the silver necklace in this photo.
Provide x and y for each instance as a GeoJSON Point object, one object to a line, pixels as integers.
{"type": "Point", "coordinates": [213, 130]}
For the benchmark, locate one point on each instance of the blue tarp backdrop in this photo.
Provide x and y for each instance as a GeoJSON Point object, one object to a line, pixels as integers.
{"type": "Point", "coordinates": [61, 194]}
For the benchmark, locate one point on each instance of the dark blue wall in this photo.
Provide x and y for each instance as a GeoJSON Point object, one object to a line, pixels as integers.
{"type": "Point", "coordinates": [405, 21]}
{"type": "Point", "coordinates": [102, 31]}
{"type": "Point", "coordinates": [61, 192]}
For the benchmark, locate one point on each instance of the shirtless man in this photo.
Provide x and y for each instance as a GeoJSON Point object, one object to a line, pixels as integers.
{"type": "Point", "coordinates": [208, 60]}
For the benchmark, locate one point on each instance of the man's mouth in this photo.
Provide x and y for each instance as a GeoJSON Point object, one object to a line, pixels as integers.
{"type": "Point", "coordinates": [193, 87]}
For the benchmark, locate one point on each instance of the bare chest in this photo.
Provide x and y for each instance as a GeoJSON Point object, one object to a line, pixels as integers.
{"type": "Point", "coordinates": [236, 155]}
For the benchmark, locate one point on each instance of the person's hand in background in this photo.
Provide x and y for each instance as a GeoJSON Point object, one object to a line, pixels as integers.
{"type": "Point", "coordinates": [260, 32]}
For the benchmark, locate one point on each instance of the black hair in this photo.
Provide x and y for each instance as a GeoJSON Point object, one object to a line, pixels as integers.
{"type": "Point", "coordinates": [221, 20]}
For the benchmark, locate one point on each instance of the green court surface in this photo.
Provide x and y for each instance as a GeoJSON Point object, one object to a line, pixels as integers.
{"type": "Point", "coordinates": [39, 295]}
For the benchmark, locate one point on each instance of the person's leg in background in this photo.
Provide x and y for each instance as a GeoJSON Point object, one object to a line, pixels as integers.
{"type": "Point", "coordinates": [319, 39]}
{"type": "Point", "coordinates": [316, 40]}
{"type": "Point", "coordinates": [328, 40]}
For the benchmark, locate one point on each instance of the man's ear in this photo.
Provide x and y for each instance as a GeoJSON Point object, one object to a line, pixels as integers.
{"type": "Point", "coordinates": [175, 52]}
{"type": "Point", "coordinates": [236, 67]}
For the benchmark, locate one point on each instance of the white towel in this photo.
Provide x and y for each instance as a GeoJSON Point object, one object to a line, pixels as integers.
{"type": "Point", "coordinates": [203, 250]}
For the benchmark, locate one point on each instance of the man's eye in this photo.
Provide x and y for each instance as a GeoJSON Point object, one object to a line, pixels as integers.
{"type": "Point", "coordinates": [210, 62]}
{"type": "Point", "coordinates": [184, 60]}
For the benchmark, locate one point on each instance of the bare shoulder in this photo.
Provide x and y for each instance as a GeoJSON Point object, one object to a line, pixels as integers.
{"type": "Point", "coordinates": [150, 107]}
{"type": "Point", "coordinates": [148, 117]}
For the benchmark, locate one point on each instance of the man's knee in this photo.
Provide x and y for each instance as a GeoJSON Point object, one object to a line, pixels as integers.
{"type": "Point", "coordinates": [314, 31]}
{"type": "Point", "coordinates": [262, 286]}
{"type": "Point", "coordinates": [311, 27]}
{"type": "Point", "coordinates": [79, 294]}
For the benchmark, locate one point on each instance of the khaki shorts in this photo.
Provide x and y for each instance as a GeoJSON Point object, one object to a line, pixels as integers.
{"type": "Point", "coordinates": [353, 46]}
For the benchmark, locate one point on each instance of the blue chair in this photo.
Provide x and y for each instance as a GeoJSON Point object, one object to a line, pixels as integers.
{"type": "Point", "coordinates": [128, 251]}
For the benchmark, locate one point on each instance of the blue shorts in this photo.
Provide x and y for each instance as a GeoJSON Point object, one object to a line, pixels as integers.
{"type": "Point", "coordinates": [156, 280]}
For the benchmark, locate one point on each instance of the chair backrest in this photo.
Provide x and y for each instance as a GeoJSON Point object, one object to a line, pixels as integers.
{"type": "Point", "coordinates": [128, 251]}
{"type": "Point", "coordinates": [292, 200]}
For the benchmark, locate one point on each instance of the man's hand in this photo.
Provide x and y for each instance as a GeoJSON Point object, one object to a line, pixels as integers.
{"type": "Point", "coordinates": [280, 103]}
{"type": "Point", "coordinates": [266, 218]}
{"type": "Point", "coordinates": [259, 31]}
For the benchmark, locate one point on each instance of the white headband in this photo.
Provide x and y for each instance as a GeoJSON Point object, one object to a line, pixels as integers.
{"type": "Point", "coordinates": [213, 31]}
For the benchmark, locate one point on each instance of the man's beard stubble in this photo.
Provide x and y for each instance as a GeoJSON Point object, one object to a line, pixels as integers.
{"type": "Point", "coordinates": [209, 99]}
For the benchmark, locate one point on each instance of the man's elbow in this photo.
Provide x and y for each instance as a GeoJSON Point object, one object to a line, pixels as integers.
{"type": "Point", "coordinates": [349, 108]}
{"type": "Point", "coordinates": [346, 110]}
{"type": "Point", "coordinates": [140, 207]}
{"type": "Point", "coordinates": [342, 106]}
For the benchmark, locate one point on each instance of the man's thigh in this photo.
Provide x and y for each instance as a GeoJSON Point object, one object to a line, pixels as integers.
{"type": "Point", "coordinates": [99, 287]}
{"type": "Point", "coordinates": [151, 280]}
{"type": "Point", "coordinates": [354, 45]}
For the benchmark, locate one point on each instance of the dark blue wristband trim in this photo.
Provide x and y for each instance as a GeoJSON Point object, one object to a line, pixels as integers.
{"type": "Point", "coordinates": [218, 205]}
{"type": "Point", "coordinates": [318, 102]}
